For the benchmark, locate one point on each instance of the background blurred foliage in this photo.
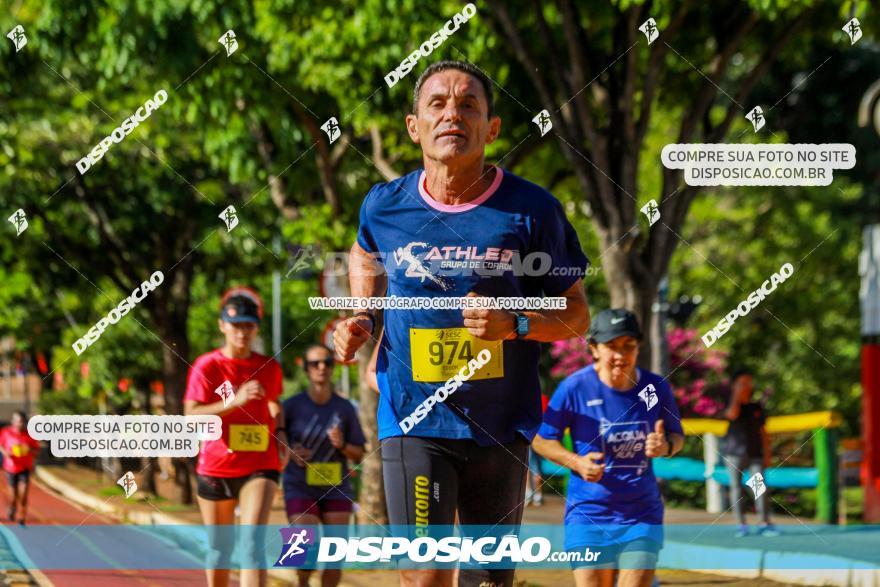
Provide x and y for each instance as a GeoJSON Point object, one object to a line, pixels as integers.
{"type": "Point", "coordinates": [87, 66]}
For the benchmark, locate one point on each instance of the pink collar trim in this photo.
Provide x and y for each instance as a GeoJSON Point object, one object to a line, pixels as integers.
{"type": "Point", "coordinates": [455, 208]}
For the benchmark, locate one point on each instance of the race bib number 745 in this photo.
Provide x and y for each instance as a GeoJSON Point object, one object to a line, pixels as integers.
{"type": "Point", "coordinates": [249, 438]}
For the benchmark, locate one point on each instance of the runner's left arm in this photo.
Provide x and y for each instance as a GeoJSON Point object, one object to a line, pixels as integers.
{"type": "Point", "coordinates": [553, 325]}
{"type": "Point", "coordinates": [370, 375]}
{"type": "Point", "coordinates": [544, 325]}
{"type": "Point", "coordinates": [277, 413]}
{"type": "Point", "coordinates": [671, 418]}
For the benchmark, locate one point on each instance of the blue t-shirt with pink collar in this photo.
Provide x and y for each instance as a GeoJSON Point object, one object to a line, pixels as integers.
{"type": "Point", "coordinates": [512, 241]}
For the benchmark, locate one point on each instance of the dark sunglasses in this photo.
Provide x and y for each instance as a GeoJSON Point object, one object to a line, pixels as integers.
{"type": "Point", "coordinates": [327, 363]}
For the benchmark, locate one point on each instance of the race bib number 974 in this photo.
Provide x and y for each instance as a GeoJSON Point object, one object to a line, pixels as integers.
{"type": "Point", "coordinates": [439, 353]}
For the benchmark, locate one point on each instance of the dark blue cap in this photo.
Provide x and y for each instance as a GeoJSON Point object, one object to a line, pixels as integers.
{"type": "Point", "coordinates": [609, 324]}
{"type": "Point", "coordinates": [240, 309]}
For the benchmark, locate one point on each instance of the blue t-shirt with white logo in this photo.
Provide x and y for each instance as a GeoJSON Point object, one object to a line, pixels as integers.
{"type": "Point", "coordinates": [307, 423]}
{"type": "Point", "coordinates": [615, 423]}
{"type": "Point", "coordinates": [434, 250]}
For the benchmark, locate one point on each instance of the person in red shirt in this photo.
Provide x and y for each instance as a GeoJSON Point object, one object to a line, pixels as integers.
{"type": "Point", "coordinates": [243, 466]}
{"type": "Point", "coordinates": [18, 450]}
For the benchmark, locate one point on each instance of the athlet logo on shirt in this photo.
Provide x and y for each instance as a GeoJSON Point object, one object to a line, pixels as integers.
{"type": "Point", "coordinates": [451, 260]}
{"type": "Point", "coordinates": [415, 268]}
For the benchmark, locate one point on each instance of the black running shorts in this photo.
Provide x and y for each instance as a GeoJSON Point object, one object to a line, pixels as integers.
{"type": "Point", "coordinates": [220, 488]}
{"type": "Point", "coordinates": [428, 479]}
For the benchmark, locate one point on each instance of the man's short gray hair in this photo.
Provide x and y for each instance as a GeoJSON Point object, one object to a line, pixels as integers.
{"type": "Point", "coordinates": [462, 66]}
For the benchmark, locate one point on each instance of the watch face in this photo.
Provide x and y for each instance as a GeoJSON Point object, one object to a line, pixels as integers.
{"type": "Point", "coordinates": [522, 325]}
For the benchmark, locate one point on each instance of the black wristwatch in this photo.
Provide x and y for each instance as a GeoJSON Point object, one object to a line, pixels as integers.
{"type": "Point", "coordinates": [669, 442]}
{"type": "Point", "coordinates": [522, 325]}
{"type": "Point", "coordinates": [371, 317]}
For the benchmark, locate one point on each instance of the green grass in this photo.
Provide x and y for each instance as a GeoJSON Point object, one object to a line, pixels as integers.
{"type": "Point", "coordinates": [113, 490]}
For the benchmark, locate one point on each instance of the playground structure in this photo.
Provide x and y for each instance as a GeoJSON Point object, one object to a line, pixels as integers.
{"type": "Point", "coordinates": [823, 476]}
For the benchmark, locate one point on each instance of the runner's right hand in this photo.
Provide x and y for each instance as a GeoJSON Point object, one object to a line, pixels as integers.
{"type": "Point", "coordinates": [301, 454]}
{"type": "Point", "coordinates": [350, 335]}
{"type": "Point", "coordinates": [248, 391]}
{"type": "Point", "coordinates": [589, 468]}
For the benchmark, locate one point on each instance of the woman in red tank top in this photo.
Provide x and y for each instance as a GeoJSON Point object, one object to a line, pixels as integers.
{"type": "Point", "coordinates": [242, 467]}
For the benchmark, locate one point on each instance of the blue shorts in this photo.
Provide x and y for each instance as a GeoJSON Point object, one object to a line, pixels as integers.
{"type": "Point", "coordinates": [641, 553]}
{"type": "Point", "coordinates": [599, 533]}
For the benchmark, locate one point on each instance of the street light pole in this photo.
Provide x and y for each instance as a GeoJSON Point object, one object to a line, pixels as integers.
{"type": "Point", "coordinates": [25, 363]}
{"type": "Point", "coordinates": [659, 346]}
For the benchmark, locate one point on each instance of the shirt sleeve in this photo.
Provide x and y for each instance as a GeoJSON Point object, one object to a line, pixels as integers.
{"type": "Point", "coordinates": [559, 414]}
{"type": "Point", "coordinates": [354, 434]}
{"type": "Point", "coordinates": [276, 385]}
{"type": "Point", "coordinates": [32, 441]}
{"type": "Point", "coordinates": [365, 237]}
{"type": "Point", "coordinates": [555, 236]}
{"type": "Point", "coordinates": [197, 384]}
{"type": "Point", "coordinates": [671, 416]}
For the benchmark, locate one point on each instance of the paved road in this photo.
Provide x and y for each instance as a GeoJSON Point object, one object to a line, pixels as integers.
{"type": "Point", "coordinates": [48, 538]}
{"type": "Point", "coordinates": [58, 528]}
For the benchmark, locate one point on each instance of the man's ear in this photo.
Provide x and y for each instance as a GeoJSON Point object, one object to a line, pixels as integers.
{"type": "Point", "coordinates": [494, 129]}
{"type": "Point", "coordinates": [594, 350]}
{"type": "Point", "coordinates": [412, 128]}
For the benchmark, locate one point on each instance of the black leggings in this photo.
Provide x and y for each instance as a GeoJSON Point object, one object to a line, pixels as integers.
{"type": "Point", "coordinates": [428, 479]}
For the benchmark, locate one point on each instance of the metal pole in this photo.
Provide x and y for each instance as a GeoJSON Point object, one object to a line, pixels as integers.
{"type": "Point", "coordinates": [659, 347]}
{"type": "Point", "coordinates": [276, 301]}
{"type": "Point", "coordinates": [713, 487]}
{"type": "Point", "coordinates": [25, 363]}
{"type": "Point", "coordinates": [7, 364]}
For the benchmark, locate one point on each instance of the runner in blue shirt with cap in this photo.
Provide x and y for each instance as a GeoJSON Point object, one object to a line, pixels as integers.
{"type": "Point", "coordinates": [620, 418]}
{"type": "Point", "coordinates": [460, 228]}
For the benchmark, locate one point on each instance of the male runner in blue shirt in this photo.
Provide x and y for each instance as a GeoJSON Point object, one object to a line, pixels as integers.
{"type": "Point", "coordinates": [460, 227]}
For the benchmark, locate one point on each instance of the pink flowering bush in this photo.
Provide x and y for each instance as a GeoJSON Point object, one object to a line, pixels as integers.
{"type": "Point", "coordinates": [571, 354]}
{"type": "Point", "coordinates": [698, 377]}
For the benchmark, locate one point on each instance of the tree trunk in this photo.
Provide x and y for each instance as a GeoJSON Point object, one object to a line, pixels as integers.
{"type": "Point", "coordinates": [630, 289]}
{"type": "Point", "coordinates": [170, 310]}
{"type": "Point", "coordinates": [148, 464]}
{"type": "Point", "coordinates": [372, 497]}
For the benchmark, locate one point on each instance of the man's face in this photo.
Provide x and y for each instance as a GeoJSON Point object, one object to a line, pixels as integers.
{"type": "Point", "coordinates": [452, 123]}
